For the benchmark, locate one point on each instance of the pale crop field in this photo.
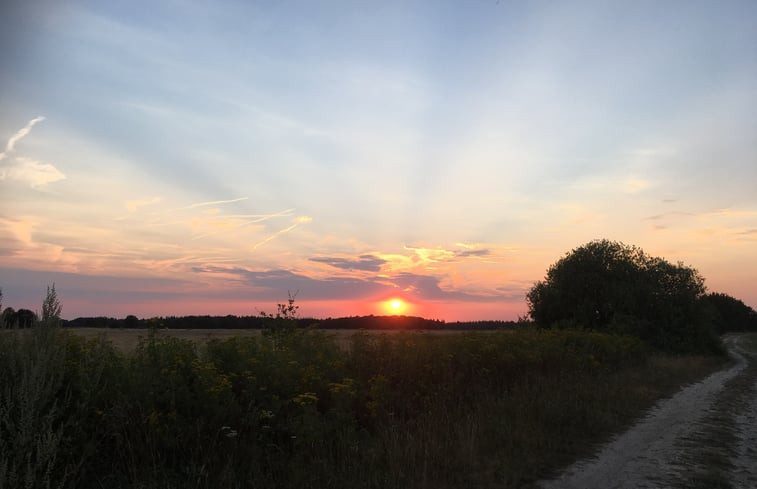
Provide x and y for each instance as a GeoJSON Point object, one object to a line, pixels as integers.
{"type": "Point", "coordinates": [127, 340]}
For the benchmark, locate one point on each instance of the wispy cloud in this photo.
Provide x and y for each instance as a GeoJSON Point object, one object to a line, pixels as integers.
{"type": "Point", "coordinates": [658, 217]}
{"type": "Point", "coordinates": [35, 173]}
{"type": "Point", "coordinates": [366, 263]}
{"type": "Point", "coordinates": [634, 185]}
{"type": "Point", "coordinates": [20, 168]}
{"type": "Point", "coordinates": [467, 253]}
{"type": "Point", "coordinates": [133, 205]}
{"type": "Point", "coordinates": [9, 148]}
{"type": "Point", "coordinates": [299, 220]}
{"type": "Point", "coordinates": [235, 222]}
{"type": "Point", "coordinates": [429, 287]}
{"type": "Point", "coordinates": [212, 202]}
{"type": "Point", "coordinates": [271, 283]}
{"type": "Point", "coordinates": [20, 230]}
{"type": "Point", "coordinates": [430, 255]}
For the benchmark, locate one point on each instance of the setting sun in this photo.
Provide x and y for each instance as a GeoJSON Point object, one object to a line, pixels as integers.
{"type": "Point", "coordinates": [395, 306]}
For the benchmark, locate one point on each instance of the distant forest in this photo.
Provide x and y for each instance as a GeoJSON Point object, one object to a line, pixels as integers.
{"type": "Point", "coordinates": [258, 322]}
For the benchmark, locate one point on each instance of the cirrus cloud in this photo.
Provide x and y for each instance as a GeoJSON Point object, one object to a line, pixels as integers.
{"type": "Point", "coordinates": [30, 171]}
{"type": "Point", "coordinates": [23, 169]}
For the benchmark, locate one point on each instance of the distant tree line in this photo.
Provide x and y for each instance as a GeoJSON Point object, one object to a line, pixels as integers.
{"type": "Point", "coordinates": [261, 322]}
{"type": "Point", "coordinates": [602, 286]}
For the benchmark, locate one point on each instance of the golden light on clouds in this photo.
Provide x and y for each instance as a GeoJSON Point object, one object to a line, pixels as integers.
{"type": "Point", "coordinates": [359, 188]}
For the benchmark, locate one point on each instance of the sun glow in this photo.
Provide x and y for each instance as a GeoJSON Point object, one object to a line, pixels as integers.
{"type": "Point", "coordinates": [395, 306]}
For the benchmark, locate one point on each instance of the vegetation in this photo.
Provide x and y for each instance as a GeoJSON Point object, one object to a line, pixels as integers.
{"type": "Point", "coordinates": [612, 287]}
{"type": "Point", "coordinates": [23, 318]}
{"type": "Point", "coordinates": [731, 314]}
{"type": "Point", "coordinates": [293, 409]}
{"type": "Point", "coordinates": [262, 322]}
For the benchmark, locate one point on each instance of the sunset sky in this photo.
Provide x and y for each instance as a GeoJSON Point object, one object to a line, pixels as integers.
{"type": "Point", "coordinates": [174, 157]}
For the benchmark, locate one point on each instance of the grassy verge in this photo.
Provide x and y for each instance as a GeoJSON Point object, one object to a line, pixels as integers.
{"type": "Point", "coordinates": [403, 410]}
{"type": "Point", "coordinates": [711, 451]}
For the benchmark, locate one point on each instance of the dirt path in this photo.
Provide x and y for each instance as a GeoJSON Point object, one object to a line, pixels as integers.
{"type": "Point", "coordinates": [703, 437]}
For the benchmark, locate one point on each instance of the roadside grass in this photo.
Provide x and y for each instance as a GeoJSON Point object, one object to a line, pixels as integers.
{"type": "Point", "coordinates": [749, 342]}
{"type": "Point", "coordinates": [709, 454]}
{"type": "Point", "coordinates": [391, 410]}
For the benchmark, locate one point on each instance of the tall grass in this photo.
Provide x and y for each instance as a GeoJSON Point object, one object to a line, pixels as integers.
{"type": "Point", "coordinates": [51, 384]}
{"type": "Point", "coordinates": [407, 410]}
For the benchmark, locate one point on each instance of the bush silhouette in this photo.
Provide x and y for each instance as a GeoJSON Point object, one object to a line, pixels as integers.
{"type": "Point", "coordinates": [613, 287]}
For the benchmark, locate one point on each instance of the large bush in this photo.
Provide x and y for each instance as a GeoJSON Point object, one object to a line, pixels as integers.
{"type": "Point", "coordinates": [609, 286]}
{"type": "Point", "coordinates": [731, 313]}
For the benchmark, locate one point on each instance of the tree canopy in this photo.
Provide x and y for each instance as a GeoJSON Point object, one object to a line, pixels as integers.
{"type": "Point", "coordinates": [732, 313]}
{"type": "Point", "coordinates": [610, 286]}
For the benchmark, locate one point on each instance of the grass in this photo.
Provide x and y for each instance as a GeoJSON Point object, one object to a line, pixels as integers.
{"type": "Point", "coordinates": [127, 340]}
{"type": "Point", "coordinates": [712, 450]}
{"type": "Point", "coordinates": [749, 342]}
{"type": "Point", "coordinates": [312, 409]}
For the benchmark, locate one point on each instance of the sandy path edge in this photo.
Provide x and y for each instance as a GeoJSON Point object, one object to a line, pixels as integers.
{"type": "Point", "coordinates": [647, 451]}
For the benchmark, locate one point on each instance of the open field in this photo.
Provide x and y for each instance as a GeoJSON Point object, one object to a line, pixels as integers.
{"type": "Point", "coordinates": [127, 339]}
{"type": "Point", "coordinates": [299, 410]}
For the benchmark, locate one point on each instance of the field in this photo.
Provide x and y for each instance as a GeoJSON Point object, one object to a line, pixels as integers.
{"type": "Point", "coordinates": [314, 409]}
{"type": "Point", "coordinates": [127, 339]}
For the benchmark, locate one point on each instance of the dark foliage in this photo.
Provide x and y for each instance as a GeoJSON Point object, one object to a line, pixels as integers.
{"type": "Point", "coordinates": [293, 409]}
{"type": "Point", "coordinates": [732, 315]}
{"type": "Point", "coordinates": [23, 318]}
{"type": "Point", "coordinates": [259, 322]}
{"type": "Point", "coordinates": [609, 286]}
{"type": "Point", "coordinates": [404, 410]}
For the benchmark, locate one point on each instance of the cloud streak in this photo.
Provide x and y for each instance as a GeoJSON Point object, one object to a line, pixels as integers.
{"type": "Point", "coordinates": [33, 172]}
{"type": "Point", "coordinates": [299, 220]}
{"type": "Point", "coordinates": [23, 169]}
{"type": "Point", "coordinates": [249, 220]}
{"type": "Point", "coordinates": [133, 205]}
{"type": "Point", "coordinates": [212, 202]}
{"type": "Point", "coordinates": [10, 147]}
{"type": "Point", "coordinates": [365, 263]}
{"type": "Point", "coordinates": [272, 283]}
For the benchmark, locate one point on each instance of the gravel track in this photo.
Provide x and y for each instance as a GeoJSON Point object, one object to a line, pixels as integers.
{"type": "Point", "coordinates": [704, 436]}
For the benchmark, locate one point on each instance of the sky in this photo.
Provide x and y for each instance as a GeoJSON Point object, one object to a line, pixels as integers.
{"type": "Point", "coordinates": [178, 157]}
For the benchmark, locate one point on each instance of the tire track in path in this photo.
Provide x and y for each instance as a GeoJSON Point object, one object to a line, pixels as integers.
{"type": "Point", "coordinates": [665, 448]}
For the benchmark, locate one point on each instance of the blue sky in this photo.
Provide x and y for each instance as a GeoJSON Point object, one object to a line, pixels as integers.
{"type": "Point", "coordinates": [445, 152]}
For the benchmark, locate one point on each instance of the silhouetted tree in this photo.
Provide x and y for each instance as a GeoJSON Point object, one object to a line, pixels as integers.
{"type": "Point", "coordinates": [25, 318]}
{"type": "Point", "coordinates": [51, 308]}
{"type": "Point", "coordinates": [8, 318]}
{"type": "Point", "coordinates": [609, 286]}
{"type": "Point", "coordinates": [732, 313]}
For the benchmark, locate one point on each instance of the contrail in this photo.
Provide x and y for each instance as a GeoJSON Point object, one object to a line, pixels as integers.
{"type": "Point", "coordinates": [298, 221]}
{"type": "Point", "coordinates": [213, 202]}
{"type": "Point", "coordinates": [18, 136]}
{"type": "Point", "coordinates": [258, 218]}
